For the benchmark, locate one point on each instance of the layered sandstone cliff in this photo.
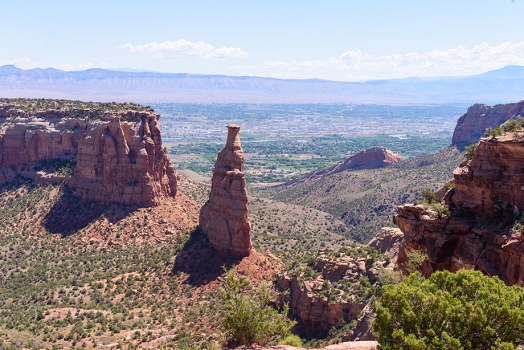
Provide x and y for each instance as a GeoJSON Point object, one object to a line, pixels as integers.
{"type": "Point", "coordinates": [225, 216]}
{"type": "Point", "coordinates": [489, 195]}
{"type": "Point", "coordinates": [117, 153]}
{"type": "Point", "coordinates": [371, 158]}
{"type": "Point", "coordinates": [472, 125]}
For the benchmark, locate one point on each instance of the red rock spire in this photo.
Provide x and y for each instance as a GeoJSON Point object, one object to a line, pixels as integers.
{"type": "Point", "coordinates": [225, 216]}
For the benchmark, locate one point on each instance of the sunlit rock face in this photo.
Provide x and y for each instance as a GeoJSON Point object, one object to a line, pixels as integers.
{"type": "Point", "coordinates": [225, 216]}
{"type": "Point", "coordinates": [472, 125]}
{"type": "Point", "coordinates": [493, 178]}
{"type": "Point", "coordinates": [118, 156]}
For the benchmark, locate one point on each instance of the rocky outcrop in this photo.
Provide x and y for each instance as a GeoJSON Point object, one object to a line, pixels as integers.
{"type": "Point", "coordinates": [116, 155]}
{"type": "Point", "coordinates": [489, 191]}
{"type": "Point", "coordinates": [496, 169]}
{"type": "Point", "coordinates": [472, 125]}
{"type": "Point", "coordinates": [371, 158]}
{"type": "Point", "coordinates": [225, 216]}
{"type": "Point", "coordinates": [389, 241]}
{"type": "Point", "coordinates": [334, 295]}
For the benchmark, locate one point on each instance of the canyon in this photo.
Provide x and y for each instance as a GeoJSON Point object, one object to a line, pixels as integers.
{"type": "Point", "coordinates": [106, 162]}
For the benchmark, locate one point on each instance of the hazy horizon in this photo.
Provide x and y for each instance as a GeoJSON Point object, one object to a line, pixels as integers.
{"type": "Point", "coordinates": [340, 41]}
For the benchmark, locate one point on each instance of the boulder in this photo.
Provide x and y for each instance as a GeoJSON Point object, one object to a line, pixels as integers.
{"type": "Point", "coordinates": [388, 241]}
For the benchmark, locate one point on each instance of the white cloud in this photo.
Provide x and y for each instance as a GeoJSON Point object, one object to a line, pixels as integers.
{"type": "Point", "coordinates": [360, 66]}
{"type": "Point", "coordinates": [184, 48]}
{"type": "Point", "coordinates": [24, 62]}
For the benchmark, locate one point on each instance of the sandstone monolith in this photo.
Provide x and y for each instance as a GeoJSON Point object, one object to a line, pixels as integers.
{"type": "Point", "coordinates": [225, 216]}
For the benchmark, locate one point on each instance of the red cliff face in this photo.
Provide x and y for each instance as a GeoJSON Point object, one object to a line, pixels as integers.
{"type": "Point", "coordinates": [468, 240]}
{"type": "Point", "coordinates": [225, 216]}
{"type": "Point", "coordinates": [119, 155]}
{"type": "Point", "coordinates": [497, 169]}
{"type": "Point", "coordinates": [472, 125]}
{"type": "Point", "coordinates": [371, 158]}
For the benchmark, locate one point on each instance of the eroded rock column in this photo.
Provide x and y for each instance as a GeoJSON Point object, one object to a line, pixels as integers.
{"type": "Point", "coordinates": [225, 216]}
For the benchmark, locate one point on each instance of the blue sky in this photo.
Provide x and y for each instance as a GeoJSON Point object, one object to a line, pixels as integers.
{"type": "Point", "coordinates": [338, 40]}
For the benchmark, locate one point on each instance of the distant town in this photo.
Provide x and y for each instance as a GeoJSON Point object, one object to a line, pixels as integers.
{"type": "Point", "coordinates": [283, 141]}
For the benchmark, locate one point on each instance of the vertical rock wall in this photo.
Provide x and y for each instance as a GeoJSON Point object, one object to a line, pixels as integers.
{"type": "Point", "coordinates": [225, 216]}
{"type": "Point", "coordinates": [123, 162]}
{"type": "Point", "coordinates": [472, 125]}
{"type": "Point", "coordinates": [119, 155]}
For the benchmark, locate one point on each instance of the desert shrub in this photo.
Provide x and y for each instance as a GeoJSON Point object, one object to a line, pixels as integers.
{"type": "Point", "coordinates": [499, 214]}
{"type": "Point", "coordinates": [496, 131]}
{"type": "Point", "coordinates": [247, 317]}
{"type": "Point", "coordinates": [513, 125]}
{"type": "Point", "coordinates": [518, 226]}
{"type": "Point", "coordinates": [291, 339]}
{"type": "Point", "coordinates": [389, 276]}
{"type": "Point", "coordinates": [415, 259]}
{"type": "Point", "coordinates": [442, 210]}
{"type": "Point", "coordinates": [449, 185]}
{"type": "Point", "coordinates": [469, 151]}
{"type": "Point", "coordinates": [429, 196]}
{"type": "Point", "coordinates": [464, 310]}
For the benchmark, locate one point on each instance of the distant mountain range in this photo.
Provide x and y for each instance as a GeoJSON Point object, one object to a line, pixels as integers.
{"type": "Point", "coordinates": [498, 86]}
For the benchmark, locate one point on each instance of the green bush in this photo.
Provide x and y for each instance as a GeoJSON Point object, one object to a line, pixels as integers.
{"type": "Point", "coordinates": [513, 125]}
{"type": "Point", "coordinates": [464, 311]}
{"type": "Point", "coordinates": [429, 196]}
{"type": "Point", "coordinates": [469, 151]}
{"type": "Point", "coordinates": [246, 315]}
{"type": "Point", "coordinates": [291, 339]}
{"type": "Point", "coordinates": [415, 259]}
{"type": "Point", "coordinates": [496, 131]}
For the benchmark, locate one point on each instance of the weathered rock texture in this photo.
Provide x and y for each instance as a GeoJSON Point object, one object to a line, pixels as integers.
{"type": "Point", "coordinates": [389, 241]}
{"type": "Point", "coordinates": [497, 169]}
{"type": "Point", "coordinates": [472, 125]}
{"type": "Point", "coordinates": [466, 240]}
{"type": "Point", "coordinates": [118, 154]}
{"type": "Point", "coordinates": [371, 158]}
{"type": "Point", "coordinates": [332, 297]}
{"type": "Point", "coordinates": [225, 216]}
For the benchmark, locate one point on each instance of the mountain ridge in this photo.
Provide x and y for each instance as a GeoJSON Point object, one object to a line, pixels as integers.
{"type": "Point", "coordinates": [498, 86]}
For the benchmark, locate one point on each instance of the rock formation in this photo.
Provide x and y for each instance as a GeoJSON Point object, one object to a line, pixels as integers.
{"type": "Point", "coordinates": [497, 169]}
{"type": "Point", "coordinates": [332, 297]}
{"type": "Point", "coordinates": [491, 184]}
{"type": "Point", "coordinates": [118, 152]}
{"type": "Point", "coordinates": [225, 216]}
{"type": "Point", "coordinates": [371, 158]}
{"type": "Point", "coordinates": [389, 241]}
{"type": "Point", "coordinates": [472, 125]}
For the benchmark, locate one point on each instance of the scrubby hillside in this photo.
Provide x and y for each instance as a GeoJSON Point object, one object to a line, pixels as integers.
{"type": "Point", "coordinates": [365, 200]}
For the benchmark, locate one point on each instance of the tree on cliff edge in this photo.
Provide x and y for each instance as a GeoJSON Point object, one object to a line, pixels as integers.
{"type": "Point", "coordinates": [465, 310]}
{"type": "Point", "coordinates": [247, 317]}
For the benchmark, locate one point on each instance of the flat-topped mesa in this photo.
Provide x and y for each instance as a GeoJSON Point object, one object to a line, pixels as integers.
{"type": "Point", "coordinates": [225, 216]}
{"type": "Point", "coordinates": [116, 149]}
